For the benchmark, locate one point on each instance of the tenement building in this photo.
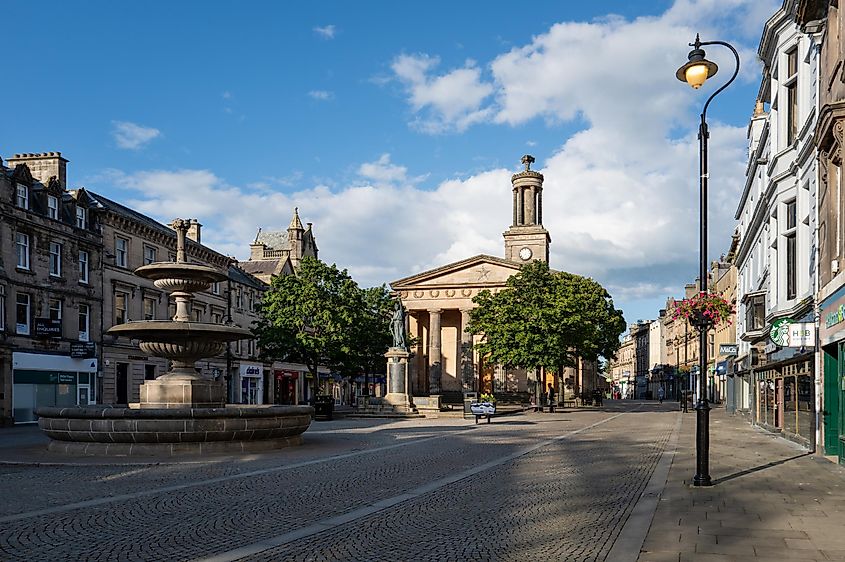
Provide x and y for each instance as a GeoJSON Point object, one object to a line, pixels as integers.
{"type": "Point", "coordinates": [823, 20]}
{"type": "Point", "coordinates": [439, 302]}
{"type": "Point", "coordinates": [50, 289]}
{"type": "Point", "coordinates": [777, 214]}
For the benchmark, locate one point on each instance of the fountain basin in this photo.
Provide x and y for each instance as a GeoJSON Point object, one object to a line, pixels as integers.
{"type": "Point", "coordinates": [104, 430]}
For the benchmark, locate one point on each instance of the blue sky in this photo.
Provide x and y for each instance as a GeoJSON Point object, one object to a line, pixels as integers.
{"type": "Point", "coordinates": [394, 127]}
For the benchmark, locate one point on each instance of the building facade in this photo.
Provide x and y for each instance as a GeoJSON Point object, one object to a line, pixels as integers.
{"type": "Point", "coordinates": [50, 289]}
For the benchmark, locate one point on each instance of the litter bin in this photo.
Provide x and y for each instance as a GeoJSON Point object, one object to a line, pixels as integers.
{"type": "Point", "coordinates": [324, 408]}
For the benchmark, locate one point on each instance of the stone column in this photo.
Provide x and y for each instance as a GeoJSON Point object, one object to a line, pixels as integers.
{"type": "Point", "coordinates": [435, 359]}
{"type": "Point", "coordinates": [540, 205]}
{"type": "Point", "coordinates": [515, 205]}
{"type": "Point", "coordinates": [530, 217]}
{"type": "Point", "coordinates": [520, 206]}
{"type": "Point", "coordinates": [466, 353]}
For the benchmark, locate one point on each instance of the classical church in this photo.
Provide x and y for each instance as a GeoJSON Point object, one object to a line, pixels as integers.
{"type": "Point", "coordinates": [438, 302]}
{"type": "Point", "coordinates": [275, 253]}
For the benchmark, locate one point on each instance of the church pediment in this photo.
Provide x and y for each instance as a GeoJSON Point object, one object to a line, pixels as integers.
{"type": "Point", "coordinates": [478, 271]}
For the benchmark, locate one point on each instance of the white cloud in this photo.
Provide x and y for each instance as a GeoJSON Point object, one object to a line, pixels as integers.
{"type": "Point", "coordinates": [382, 171]}
{"type": "Point", "coordinates": [325, 32]}
{"type": "Point", "coordinates": [620, 197]}
{"type": "Point", "coordinates": [131, 135]}
{"type": "Point", "coordinates": [321, 95]}
{"type": "Point", "coordinates": [443, 103]}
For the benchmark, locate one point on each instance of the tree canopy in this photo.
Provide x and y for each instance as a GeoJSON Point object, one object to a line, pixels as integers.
{"type": "Point", "coordinates": [546, 319]}
{"type": "Point", "coordinates": [321, 317]}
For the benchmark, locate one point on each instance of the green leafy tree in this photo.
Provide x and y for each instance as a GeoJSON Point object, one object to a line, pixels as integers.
{"type": "Point", "coordinates": [546, 319]}
{"type": "Point", "coordinates": [310, 317]}
{"type": "Point", "coordinates": [372, 334]}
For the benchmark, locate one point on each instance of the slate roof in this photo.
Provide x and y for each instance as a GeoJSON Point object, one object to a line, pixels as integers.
{"type": "Point", "coordinates": [277, 240]}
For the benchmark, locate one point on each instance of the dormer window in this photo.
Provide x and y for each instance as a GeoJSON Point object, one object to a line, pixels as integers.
{"type": "Point", "coordinates": [22, 196]}
{"type": "Point", "coordinates": [53, 207]}
{"type": "Point", "coordinates": [81, 217]}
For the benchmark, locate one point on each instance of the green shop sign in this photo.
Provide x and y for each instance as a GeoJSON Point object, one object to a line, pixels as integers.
{"type": "Point", "coordinates": [24, 376]}
{"type": "Point", "coordinates": [833, 318]}
{"type": "Point", "coordinates": [779, 333]}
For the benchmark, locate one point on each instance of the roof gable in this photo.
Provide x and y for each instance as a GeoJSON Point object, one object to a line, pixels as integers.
{"type": "Point", "coordinates": [479, 270]}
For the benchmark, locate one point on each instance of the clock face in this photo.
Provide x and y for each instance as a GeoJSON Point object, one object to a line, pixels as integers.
{"type": "Point", "coordinates": [525, 254]}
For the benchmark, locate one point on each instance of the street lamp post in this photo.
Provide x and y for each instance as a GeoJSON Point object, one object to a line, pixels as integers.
{"type": "Point", "coordinates": [695, 72]}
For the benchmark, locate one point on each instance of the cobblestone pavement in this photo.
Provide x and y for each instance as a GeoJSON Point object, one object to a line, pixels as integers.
{"type": "Point", "coordinates": [555, 486]}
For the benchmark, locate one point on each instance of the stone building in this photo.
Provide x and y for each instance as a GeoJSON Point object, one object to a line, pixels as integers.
{"type": "Point", "coordinates": [682, 347]}
{"type": "Point", "coordinates": [720, 365]}
{"type": "Point", "coordinates": [824, 20]}
{"type": "Point", "coordinates": [275, 253]}
{"type": "Point", "coordinates": [622, 368]}
{"type": "Point", "coordinates": [50, 289]}
{"type": "Point", "coordinates": [132, 239]}
{"type": "Point", "coordinates": [439, 301]}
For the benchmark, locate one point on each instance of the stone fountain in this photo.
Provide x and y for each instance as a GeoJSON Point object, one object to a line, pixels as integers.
{"type": "Point", "coordinates": [180, 411]}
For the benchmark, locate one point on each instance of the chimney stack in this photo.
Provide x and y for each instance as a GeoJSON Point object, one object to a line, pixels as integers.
{"type": "Point", "coordinates": [42, 165]}
{"type": "Point", "coordinates": [195, 231]}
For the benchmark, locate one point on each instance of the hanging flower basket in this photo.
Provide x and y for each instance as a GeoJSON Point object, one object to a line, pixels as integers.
{"type": "Point", "coordinates": [704, 310]}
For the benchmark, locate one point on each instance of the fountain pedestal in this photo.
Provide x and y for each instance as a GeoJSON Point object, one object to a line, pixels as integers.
{"type": "Point", "coordinates": [192, 393]}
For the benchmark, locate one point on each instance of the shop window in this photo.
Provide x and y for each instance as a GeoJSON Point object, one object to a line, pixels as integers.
{"type": "Point", "coordinates": [790, 400]}
{"type": "Point", "coordinates": [55, 259]}
{"type": "Point", "coordinates": [22, 196]}
{"type": "Point", "coordinates": [84, 321]}
{"type": "Point", "coordinates": [81, 217]}
{"type": "Point", "coordinates": [805, 406]}
{"type": "Point", "coordinates": [22, 250]}
{"type": "Point", "coordinates": [149, 308]}
{"type": "Point", "coordinates": [83, 266]}
{"type": "Point", "coordinates": [22, 314]}
{"type": "Point", "coordinates": [53, 207]}
{"type": "Point", "coordinates": [120, 312]}
{"type": "Point", "coordinates": [121, 247]}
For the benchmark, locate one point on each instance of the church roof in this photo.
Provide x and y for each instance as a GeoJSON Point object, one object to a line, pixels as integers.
{"type": "Point", "coordinates": [274, 240]}
{"type": "Point", "coordinates": [445, 275]}
{"type": "Point", "coordinates": [260, 267]}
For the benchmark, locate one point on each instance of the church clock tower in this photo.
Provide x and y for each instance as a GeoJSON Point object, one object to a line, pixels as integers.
{"type": "Point", "coordinates": [526, 239]}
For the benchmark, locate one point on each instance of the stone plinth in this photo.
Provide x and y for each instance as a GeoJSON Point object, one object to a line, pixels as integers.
{"type": "Point", "coordinates": [139, 432]}
{"type": "Point", "coordinates": [190, 393]}
{"type": "Point", "coordinates": [397, 402]}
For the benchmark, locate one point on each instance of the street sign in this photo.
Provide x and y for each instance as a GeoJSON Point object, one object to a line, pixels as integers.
{"type": "Point", "coordinates": [786, 333]}
{"type": "Point", "coordinates": [83, 350]}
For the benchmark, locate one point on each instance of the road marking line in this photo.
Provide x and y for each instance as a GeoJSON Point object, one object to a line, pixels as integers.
{"type": "Point", "coordinates": [335, 521]}
{"type": "Point", "coordinates": [629, 542]}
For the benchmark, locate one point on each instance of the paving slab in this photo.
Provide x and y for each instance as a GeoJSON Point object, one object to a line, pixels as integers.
{"type": "Point", "coordinates": [771, 499]}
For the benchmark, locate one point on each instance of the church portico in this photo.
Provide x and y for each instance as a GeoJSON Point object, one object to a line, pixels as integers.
{"type": "Point", "coordinates": [439, 302]}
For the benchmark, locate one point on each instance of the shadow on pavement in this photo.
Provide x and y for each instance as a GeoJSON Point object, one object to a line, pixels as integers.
{"type": "Point", "coordinates": [759, 468]}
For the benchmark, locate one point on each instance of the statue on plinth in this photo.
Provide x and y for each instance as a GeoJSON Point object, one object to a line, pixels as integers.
{"type": "Point", "coordinates": [397, 327]}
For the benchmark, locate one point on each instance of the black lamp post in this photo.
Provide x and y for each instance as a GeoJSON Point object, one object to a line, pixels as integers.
{"type": "Point", "coordinates": [695, 72]}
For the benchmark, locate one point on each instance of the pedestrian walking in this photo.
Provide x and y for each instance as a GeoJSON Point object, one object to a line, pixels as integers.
{"type": "Point", "coordinates": [551, 398]}
{"type": "Point", "coordinates": [660, 395]}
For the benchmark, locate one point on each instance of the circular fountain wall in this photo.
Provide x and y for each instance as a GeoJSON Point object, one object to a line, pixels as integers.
{"type": "Point", "coordinates": [180, 412]}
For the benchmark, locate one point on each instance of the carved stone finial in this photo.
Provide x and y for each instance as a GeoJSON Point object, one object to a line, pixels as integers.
{"type": "Point", "coordinates": [181, 227]}
{"type": "Point", "coordinates": [527, 160]}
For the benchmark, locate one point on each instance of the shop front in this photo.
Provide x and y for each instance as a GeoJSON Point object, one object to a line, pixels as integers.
{"type": "Point", "coordinates": [785, 398]}
{"type": "Point", "coordinates": [252, 383]}
{"type": "Point", "coordinates": [832, 342]}
{"type": "Point", "coordinates": [285, 386]}
{"type": "Point", "coordinates": [50, 380]}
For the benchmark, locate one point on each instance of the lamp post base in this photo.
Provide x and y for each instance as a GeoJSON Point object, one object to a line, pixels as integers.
{"type": "Point", "coordinates": [702, 444]}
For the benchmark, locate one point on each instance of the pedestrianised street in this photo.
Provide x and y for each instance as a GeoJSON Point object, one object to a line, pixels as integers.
{"type": "Point", "coordinates": [523, 487]}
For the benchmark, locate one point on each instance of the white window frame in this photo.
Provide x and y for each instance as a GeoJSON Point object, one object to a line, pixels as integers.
{"type": "Point", "coordinates": [153, 309]}
{"type": "Point", "coordinates": [125, 307]}
{"type": "Point", "coordinates": [83, 266]}
{"type": "Point", "coordinates": [23, 329]}
{"type": "Point", "coordinates": [121, 255]}
{"type": "Point", "coordinates": [81, 216]}
{"type": "Point", "coordinates": [53, 207]}
{"type": "Point", "coordinates": [55, 259]}
{"type": "Point", "coordinates": [22, 250]}
{"type": "Point", "coordinates": [84, 312]}
{"type": "Point", "coordinates": [150, 254]}
{"type": "Point", "coordinates": [22, 196]}
{"type": "Point", "coordinates": [215, 288]}
{"type": "Point", "coordinates": [2, 307]}
{"type": "Point", "coordinates": [57, 309]}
